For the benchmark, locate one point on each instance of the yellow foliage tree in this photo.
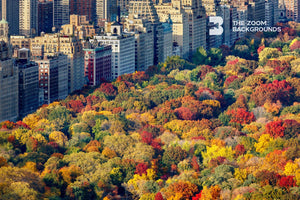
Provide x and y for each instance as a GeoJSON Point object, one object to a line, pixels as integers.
{"type": "Point", "coordinates": [211, 193]}
{"type": "Point", "coordinates": [31, 120]}
{"type": "Point", "coordinates": [240, 174]}
{"type": "Point", "coordinates": [215, 151]}
{"type": "Point", "coordinates": [22, 135]}
{"type": "Point", "coordinates": [31, 166]}
{"type": "Point", "coordinates": [109, 153]}
{"type": "Point", "coordinates": [69, 174]}
{"type": "Point", "coordinates": [263, 143]}
{"type": "Point", "coordinates": [58, 137]}
{"type": "Point", "coordinates": [290, 169]}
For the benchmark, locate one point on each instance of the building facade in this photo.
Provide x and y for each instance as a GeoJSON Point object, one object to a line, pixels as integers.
{"type": "Point", "coordinates": [28, 83]}
{"type": "Point", "coordinates": [107, 10]}
{"type": "Point", "coordinates": [45, 16]}
{"type": "Point", "coordinates": [53, 77]}
{"type": "Point", "coordinates": [97, 64]}
{"type": "Point", "coordinates": [68, 45]}
{"type": "Point", "coordinates": [8, 85]}
{"type": "Point", "coordinates": [84, 7]}
{"type": "Point", "coordinates": [28, 18]}
{"type": "Point", "coordinates": [123, 50]}
{"type": "Point", "coordinates": [10, 13]}
{"type": "Point", "coordinates": [144, 42]}
{"type": "Point", "coordinates": [61, 13]}
{"type": "Point", "coordinates": [145, 9]}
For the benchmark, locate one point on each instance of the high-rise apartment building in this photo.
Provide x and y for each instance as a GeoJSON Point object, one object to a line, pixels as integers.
{"type": "Point", "coordinates": [68, 45]}
{"type": "Point", "coordinates": [45, 16]}
{"type": "Point", "coordinates": [197, 24]}
{"type": "Point", "coordinates": [146, 9]}
{"type": "Point", "coordinates": [123, 6]}
{"type": "Point", "coordinates": [168, 39]}
{"type": "Point", "coordinates": [8, 85]}
{"type": "Point", "coordinates": [53, 77]}
{"type": "Point", "coordinates": [292, 9]}
{"type": "Point", "coordinates": [224, 12]}
{"type": "Point", "coordinates": [28, 83]}
{"type": "Point", "coordinates": [144, 42]}
{"type": "Point", "coordinates": [256, 10]}
{"type": "Point", "coordinates": [61, 13]}
{"type": "Point", "coordinates": [28, 17]}
{"type": "Point", "coordinates": [180, 25]}
{"type": "Point", "coordinates": [123, 50]}
{"type": "Point", "coordinates": [107, 9]}
{"type": "Point", "coordinates": [10, 13]}
{"type": "Point", "coordinates": [97, 64]}
{"type": "Point", "coordinates": [84, 7]}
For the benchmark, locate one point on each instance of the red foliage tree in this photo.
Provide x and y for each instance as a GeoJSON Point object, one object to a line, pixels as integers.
{"type": "Point", "coordinates": [291, 128]}
{"type": "Point", "coordinates": [198, 196]}
{"type": "Point", "coordinates": [229, 80]}
{"type": "Point", "coordinates": [278, 90]}
{"type": "Point", "coordinates": [75, 105]}
{"type": "Point", "coordinates": [8, 125]}
{"type": "Point", "coordinates": [239, 149]}
{"type": "Point", "coordinates": [275, 128]}
{"type": "Point", "coordinates": [108, 89]}
{"type": "Point", "coordinates": [158, 196]}
{"type": "Point", "coordinates": [241, 116]}
{"type": "Point", "coordinates": [287, 182]}
{"type": "Point", "coordinates": [185, 113]}
{"type": "Point", "coordinates": [233, 62]}
{"type": "Point", "coordinates": [147, 137]}
{"type": "Point", "coordinates": [195, 164]}
{"type": "Point", "coordinates": [22, 124]}
{"type": "Point", "coordinates": [141, 168]}
{"type": "Point", "coordinates": [279, 66]}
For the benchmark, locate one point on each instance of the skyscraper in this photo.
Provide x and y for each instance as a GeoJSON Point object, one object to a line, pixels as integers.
{"type": "Point", "coordinates": [61, 13]}
{"type": "Point", "coordinates": [8, 85]}
{"type": "Point", "coordinates": [45, 16]}
{"type": "Point", "coordinates": [28, 17]}
{"type": "Point", "coordinates": [10, 12]}
{"type": "Point", "coordinates": [84, 7]}
{"type": "Point", "coordinates": [292, 9]}
{"type": "Point", "coordinates": [53, 77]}
{"type": "Point", "coordinates": [144, 42]}
{"type": "Point", "coordinates": [146, 9]}
{"type": "Point", "coordinates": [28, 83]}
{"type": "Point", "coordinates": [106, 9]}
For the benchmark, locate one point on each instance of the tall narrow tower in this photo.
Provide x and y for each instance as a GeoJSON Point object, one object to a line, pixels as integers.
{"type": "Point", "coordinates": [10, 13]}
{"type": "Point", "coordinates": [61, 13]}
{"type": "Point", "coordinates": [28, 17]}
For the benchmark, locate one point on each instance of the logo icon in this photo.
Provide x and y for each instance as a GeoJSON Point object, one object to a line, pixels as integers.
{"type": "Point", "coordinates": [215, 23]}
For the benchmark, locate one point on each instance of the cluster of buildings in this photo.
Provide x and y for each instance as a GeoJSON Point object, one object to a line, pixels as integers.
{"type": "Point", "coordinates": [51, 48]}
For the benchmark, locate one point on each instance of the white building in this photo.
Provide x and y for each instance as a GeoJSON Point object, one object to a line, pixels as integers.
{"type": "Point", "coordinates": [123, 50]}
{"type": "Point", "coordinates": [143, 31]}
{"type": "Point", "coordinates": [168, 43]}
{"type": "Point", "coordinates": [28, 17]}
